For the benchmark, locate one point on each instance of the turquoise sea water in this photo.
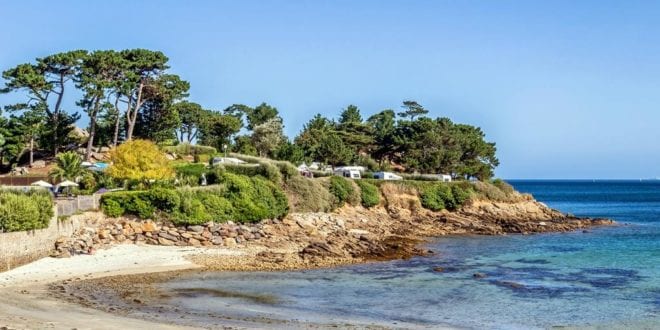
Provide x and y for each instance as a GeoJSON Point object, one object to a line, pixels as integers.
{"type": "Point", "coordinates": [607, 277]}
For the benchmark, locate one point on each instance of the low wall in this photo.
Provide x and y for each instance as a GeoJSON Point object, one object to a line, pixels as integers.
{"type": "Point", "coordinates": [66, 207]}
{"type": "Point", "coordinates": [19, 248]}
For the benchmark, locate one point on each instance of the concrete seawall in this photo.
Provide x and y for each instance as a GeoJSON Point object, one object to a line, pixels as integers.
{"type": "Point", "coordinates": [19, 248]}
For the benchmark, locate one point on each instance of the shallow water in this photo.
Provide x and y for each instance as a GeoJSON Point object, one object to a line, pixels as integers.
{"type": "Point", "coordinates": [605, 277]}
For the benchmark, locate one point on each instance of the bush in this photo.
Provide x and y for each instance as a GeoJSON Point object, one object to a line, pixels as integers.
{"type": "Point", "coordinates": [489, 191]}
{"type": "Point", "coordinates": [308, 195]}
{"type": "Point", "coordinates": [190, 149]}
{"type": "Point", "coordinates": [462, 193]}
{"type": "Point", "coordinates": [506, 188]}
{"type": "Point", "coordinates": [21, 211]}
{"type": "Point", "coordinates": [139, 160]}
{"type": "Point", "coordinates": [166, 200]}
{"type": "Point", "coordinates": [342, 189]}
{"type": "Point", "coordinates": [195, 170]}
{"type": "Point", "coordinates": [369, 193]}
{"type": "Point", "coordinates": [438, 197]}
{"type": "Point", "coordinates": [137, 203]}
{"type": "Point", "coordinates": [112, 208]}
{"type": "Point", "coordinates": [254, 198]}
{"type": "Point", "coordinates": [241, 198]}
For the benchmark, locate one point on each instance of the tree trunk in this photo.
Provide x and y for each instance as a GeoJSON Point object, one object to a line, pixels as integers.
{"type": "Point", "coordinates": [56, 115]}
{"type": "Point", "coordinates": [132, 114]}
{"type": "Point", "coordinates": [116, 135]}
{"type": "Point", "coordinates": [31, 150]}
{"type": "Point", "coordinates": [92, 129]}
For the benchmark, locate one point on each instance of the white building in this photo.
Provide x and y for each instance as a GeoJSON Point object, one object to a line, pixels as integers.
{"type": "Point", "coordinates": [387, 176]}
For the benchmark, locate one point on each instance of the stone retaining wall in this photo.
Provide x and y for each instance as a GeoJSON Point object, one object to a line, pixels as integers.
{"type": "Point", "coordinates": [126, 231]}
{"type": "Point", "coordinates": [19, 248]}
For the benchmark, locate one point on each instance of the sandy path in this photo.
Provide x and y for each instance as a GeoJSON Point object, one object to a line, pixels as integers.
{"type": "Point", "coordinates": [25, 304]}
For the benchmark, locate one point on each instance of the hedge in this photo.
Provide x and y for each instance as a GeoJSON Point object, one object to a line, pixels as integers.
{"type": "Point", "coordinates": [238, 197]}
{"type": "Point", "coordinates": [190, 149]}
{"type": "Point", "coordinates": [368, 193]}
{"type": "Point", "coordinates": [21, 211]}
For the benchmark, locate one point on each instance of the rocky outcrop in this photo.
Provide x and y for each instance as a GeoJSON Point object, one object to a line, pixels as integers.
{"type": "Point", "coordinates": [351, 234]}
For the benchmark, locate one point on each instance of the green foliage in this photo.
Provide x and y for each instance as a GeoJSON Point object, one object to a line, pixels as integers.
{"type": "Point", "coordinates": [503, 186]}
{"type": "Point", "coordinates": [369, 193]}
{"type": "Point", "coordinates": [166, 200]}
{"type": "Point", "coordinates": [21, 211]}
{"type": "Point", "coordinates": [342, 189]}
{"type": "Point", "coordinates": [239, 198]}
{"type": "Point", "coordinates": [308, 195]}
{"type": "Point", "coordinates": [462, 192]}
{"type": "Point", "coordinates": [188, 169]}
{"type": "Point", "coordinates": [190, 149]}
{"type": "Point", "coordinates": [136, 203]}
{"type": "Point", "coordinates": [437, 197]}
{"type": "Point", "coordinates": [69, 167]}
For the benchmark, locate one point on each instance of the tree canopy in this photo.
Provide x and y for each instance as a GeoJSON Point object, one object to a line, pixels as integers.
{"type": "Point", "coordinates": [131, 94]}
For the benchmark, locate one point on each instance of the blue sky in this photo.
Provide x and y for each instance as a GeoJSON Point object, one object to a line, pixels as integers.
{"type": "Point", "coordinates": [567, 89]}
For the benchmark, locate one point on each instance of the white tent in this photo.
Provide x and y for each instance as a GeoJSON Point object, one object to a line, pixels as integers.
{"type": "Point", "coordinates": [67, 183]}
{"type": "Point", "coordinates": [42, 183]}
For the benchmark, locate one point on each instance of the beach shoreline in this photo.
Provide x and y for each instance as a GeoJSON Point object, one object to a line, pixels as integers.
{"type": "Point", "coordinates": [67, 293]}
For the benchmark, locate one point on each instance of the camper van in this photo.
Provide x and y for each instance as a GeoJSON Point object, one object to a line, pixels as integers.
{"type": "Point", "coordinates": [348, 173]}
{"type": "Point", "coordinates": [387, 176]}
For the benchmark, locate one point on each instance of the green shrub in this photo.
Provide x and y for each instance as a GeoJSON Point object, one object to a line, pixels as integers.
{"type": "Point", "coordinates": [342, 189]}
{"type": "Point", "coordinates": [166, 200]}
{"type": "Point", "coordinates": [21, 211]}
{"type": "Point", "coordinates": [369, 193]}
{"type": "Point", "coordinates": [438, 197]}
{"type": "Point", "coordinates": [308, 195]}
{"type": "Point", "coordinates": [462, 193]}
{"type": "Point", "coordinates": [489, 191]}
{"type": "Point", "coordinates": [195, 170]}
{"type": "Point", "coordinates": [190, 149]}
{"type": "Point", "coordinates": [137, 203]}
{"type": "Point", "coordinates": [506, 188]}
{"type": "Point", "coordinates": [112, 208]}
{"type": "Point", "coordinates": [239, 198]}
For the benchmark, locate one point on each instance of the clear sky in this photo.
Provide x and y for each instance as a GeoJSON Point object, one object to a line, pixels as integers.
{"type": "Point", "coordinates": [567, 89]}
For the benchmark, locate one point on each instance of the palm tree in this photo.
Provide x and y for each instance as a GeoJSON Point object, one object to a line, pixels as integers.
{"type": "Point", "coordinates": [69, 167]}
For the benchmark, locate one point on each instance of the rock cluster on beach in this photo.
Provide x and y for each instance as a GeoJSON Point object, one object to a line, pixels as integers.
{"type": "Point", "coordinates": [124, 231]}
{"type": "Point", "coordinates": [348, 235]}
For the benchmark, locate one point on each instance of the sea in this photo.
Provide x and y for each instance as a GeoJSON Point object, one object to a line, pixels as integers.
{"type": "Point", "coordinates": [606, 277]}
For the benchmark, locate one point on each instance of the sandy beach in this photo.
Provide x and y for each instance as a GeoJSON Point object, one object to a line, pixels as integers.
{"type": "Point", "coordinates": [26, 304]}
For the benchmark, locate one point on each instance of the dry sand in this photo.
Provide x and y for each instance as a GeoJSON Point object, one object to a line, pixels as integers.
{"type": "Point", "coordinates": [26, 304]}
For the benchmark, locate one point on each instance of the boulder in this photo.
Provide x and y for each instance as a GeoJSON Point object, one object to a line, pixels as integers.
{"type": "Point", "coordinates": [148, 227]}
{"type": "Point", "coordinates": [165, 242]}
{"type": "Point", "coordinates": [230, 242]}
{"type": "Point", "coordinates": [196, 229]}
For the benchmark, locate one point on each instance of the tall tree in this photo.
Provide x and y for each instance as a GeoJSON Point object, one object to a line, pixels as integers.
{"type": "Point", "coordinates": [99, 72]}
{"type": "Point", "coordinates": [350, 115]}
{"type": "Point", "coordinates": [192, 117]}
{"type": "Point", "coordinates": [268, 136]}
{"type": "Point", "coordinates": [217, 129]}
{"type": "Point", "coordinates": [383, 125]}
{"type": "Point", "coordinates": [157, 120]}
{"type": "Point", "coordinates": [412, 109]}
{"type": "Point", "coordinates": [141, 68]}
{"type": "Point", "coordinates": [45, 83]}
